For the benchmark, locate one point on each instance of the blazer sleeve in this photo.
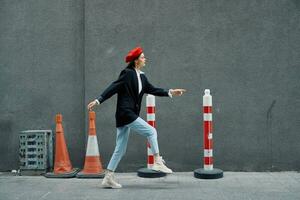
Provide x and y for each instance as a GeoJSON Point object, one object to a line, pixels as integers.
{"type": "Point", "coordinates": [150, 89]}
{"type": "Point", "coordinates": [113, 87]}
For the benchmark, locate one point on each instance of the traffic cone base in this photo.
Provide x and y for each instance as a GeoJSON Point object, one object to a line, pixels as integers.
{"type": "Point", "coordinates": [92, 168]}
{"type": "Point", "coordinates": [90, 175]}
{"type": "Point", "coordinates": [70, 174]}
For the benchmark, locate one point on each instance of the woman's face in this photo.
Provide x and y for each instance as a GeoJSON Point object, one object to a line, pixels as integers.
{"type": "Point", "coordinates": [141, 61]}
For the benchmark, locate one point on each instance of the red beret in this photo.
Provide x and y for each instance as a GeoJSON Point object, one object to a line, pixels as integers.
{"type": "Point", "coordinates": [133, 54]}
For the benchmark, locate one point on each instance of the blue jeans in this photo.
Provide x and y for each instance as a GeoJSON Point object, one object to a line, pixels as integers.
{"type": "Point", "coordinates": [139, 126]}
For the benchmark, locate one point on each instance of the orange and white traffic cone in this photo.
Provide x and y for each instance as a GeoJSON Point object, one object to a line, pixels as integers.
{"type": "Point", "coordinates": [92, 166]}
{"type": "Point", "coordinates": [62, 165]}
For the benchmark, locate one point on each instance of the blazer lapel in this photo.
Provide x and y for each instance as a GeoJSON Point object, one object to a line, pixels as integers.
{"type": "Point", "coordinates": [143, 83]}
{"type": "Point", "coordinates": [135, 85]}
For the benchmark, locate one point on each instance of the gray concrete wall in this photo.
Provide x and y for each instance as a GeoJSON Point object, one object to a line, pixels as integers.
{"type": "Point", "coordinates": [41, 73]}
{"type": "Point", "coordinates": [246, 52]}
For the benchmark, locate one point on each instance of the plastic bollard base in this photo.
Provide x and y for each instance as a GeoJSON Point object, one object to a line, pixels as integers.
{"type": "Point", "coordinates": [208, 174]}
{"type": "Point", "coordinates": [149, 173]}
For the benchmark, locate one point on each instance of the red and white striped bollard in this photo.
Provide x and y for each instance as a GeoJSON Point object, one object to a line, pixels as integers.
{"type": "Point", "coordinates": [150, 104]}
{"type": "Point", "coordinates": [207, 131]}
{"type": "Point", "coordinates": [148, 172]}
{"type": "Point", "coordinates": [208, 171]}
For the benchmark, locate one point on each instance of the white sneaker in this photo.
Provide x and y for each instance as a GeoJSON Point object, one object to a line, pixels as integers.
{"type": "Point", "coordinates": [110, 182]}
{"type": "Point", "coordinates": [159, 165]}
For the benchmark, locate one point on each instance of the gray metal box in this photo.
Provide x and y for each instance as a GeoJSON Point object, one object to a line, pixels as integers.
{"type": "Point", "coordinates": [35, 151]}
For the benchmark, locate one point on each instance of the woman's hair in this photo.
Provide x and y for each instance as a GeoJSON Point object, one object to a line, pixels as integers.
{"type": "Point", "coordinates": [132, 64]}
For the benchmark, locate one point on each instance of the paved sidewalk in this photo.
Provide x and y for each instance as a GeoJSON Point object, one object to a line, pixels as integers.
{"type": "Point", "coordinates": [183, 186]}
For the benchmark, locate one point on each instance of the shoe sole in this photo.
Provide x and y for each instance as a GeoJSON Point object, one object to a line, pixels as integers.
{"type": "Point", "coordinates": [109, 186]}
{"type": "Point", "coordinates": [159, 170]}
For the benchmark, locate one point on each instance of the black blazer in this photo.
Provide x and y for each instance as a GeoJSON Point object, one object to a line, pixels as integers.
{"type": "Point", "coordinates": [129, 99]}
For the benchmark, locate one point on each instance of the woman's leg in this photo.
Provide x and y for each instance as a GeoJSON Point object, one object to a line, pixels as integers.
{"type": "Point", "coordinates": [120, 149]}
{"type": "Point", "coordinates": [143, 128]}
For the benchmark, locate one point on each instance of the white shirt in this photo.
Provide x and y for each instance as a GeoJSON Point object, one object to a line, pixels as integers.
{"type": "Point", "coordinates": [138, 73]}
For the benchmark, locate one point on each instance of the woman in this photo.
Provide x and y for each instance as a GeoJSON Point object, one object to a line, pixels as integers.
{"type": "Point", "coordinates": [130, 87]}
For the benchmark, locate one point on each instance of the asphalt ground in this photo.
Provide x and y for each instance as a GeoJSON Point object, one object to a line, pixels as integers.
{"type": "Point", "coordinates": [179, 185]}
